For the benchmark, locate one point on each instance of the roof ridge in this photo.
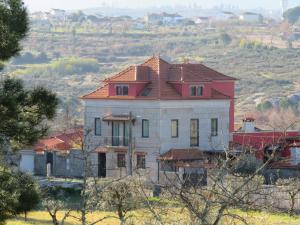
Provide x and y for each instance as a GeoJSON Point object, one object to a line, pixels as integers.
{"type": "Point", "coordinates": [119, 74]}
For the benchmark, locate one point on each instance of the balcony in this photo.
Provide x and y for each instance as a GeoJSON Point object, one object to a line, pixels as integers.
{"type": "Point", "coordinates": [117, 141]}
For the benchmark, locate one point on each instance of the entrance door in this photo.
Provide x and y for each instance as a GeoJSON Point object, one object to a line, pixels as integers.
{"type": "Point", "coordinates": [49, 159]}
{"type": "Point", "coordinates": [101, 165]}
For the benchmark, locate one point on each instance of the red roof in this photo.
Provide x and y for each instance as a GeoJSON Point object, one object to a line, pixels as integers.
{"type": "Point", "coordinates": [158, 76]}
{"type": "Point", "coordinates": [183, 154]}
{"type": "Point", "coordinates": [64, 141]}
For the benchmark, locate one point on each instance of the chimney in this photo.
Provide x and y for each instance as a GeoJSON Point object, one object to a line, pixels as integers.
{"type": "Point", "coordinates": [248, 125]}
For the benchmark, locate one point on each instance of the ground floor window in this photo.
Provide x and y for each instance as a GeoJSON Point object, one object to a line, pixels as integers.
{"type": "Point", "coordinates": [121, 160]}
{"type": "Point", "coordinates": [141, 162]}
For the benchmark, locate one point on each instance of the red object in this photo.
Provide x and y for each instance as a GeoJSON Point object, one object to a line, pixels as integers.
{"type": "Point", "coordinates": [259, 140]}
{"type": "Point", "coordinates": [157, 79]}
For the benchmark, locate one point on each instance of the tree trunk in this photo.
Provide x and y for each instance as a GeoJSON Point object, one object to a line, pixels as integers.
{"type": "Point", "coordinates": [25, 216]}
{"type": "Point", "coordinates": [54, 220]}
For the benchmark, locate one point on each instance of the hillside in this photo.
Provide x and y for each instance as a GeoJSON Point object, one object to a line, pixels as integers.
{"type": "Point", "coordinates": [76, 62]}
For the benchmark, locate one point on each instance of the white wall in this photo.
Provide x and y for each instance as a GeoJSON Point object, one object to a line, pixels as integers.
{"type": "Point", "coordinates": [160, 114]}
{"type": "Point", "coordinates": [27, 161]}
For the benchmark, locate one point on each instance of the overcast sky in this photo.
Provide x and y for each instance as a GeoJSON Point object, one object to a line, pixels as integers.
{"type": "Point", "coordinates": [36, 5]}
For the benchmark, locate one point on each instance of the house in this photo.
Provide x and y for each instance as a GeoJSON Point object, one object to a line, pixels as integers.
{"type": "Point", "coordinates": [286, 144]}
{"type": "Point", "coordinates": [202, 20]}
{"type": "Point", "coordinates": [157, 114]}
{"type": "Point", "coordinates": [60, 151]}
{"type": "Point", "coordinates": [251, 17]}
{"type": "Point", "coordinates": [163, 18]}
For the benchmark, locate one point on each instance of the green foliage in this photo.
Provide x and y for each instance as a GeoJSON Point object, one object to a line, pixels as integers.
{"type": "Point", "coordinates": [246, 165]}
{"type": "Point", "coordinates": [64, 66]}
{"type": "Point", "coordinates": [264, 106]}
{"type": "Point", "coordinates": [225, 38]}
{"type": "Point", "coordinates": [29, 194]}
{"type": "Point", "coordinates": [29, 58]}
{"type": "Point", "coordinates": [18, 193]}
{"type": "Point", "coordinates": [292, 15]}
{"type": "Point", "coordinates": [13, 27]}
{"type": "Point", "coordinates": [246, 44]}
{"type": "Point", "coordinates": [23, 113]}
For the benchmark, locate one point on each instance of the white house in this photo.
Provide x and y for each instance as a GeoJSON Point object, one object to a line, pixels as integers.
{"type": "Point", "coordinates": [251, 17]}
{"type": "Point", "coordinates": [158, 114]}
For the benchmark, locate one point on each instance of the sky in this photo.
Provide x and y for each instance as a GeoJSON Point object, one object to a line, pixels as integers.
{"type": "Point", "coordinates": [45, 5]}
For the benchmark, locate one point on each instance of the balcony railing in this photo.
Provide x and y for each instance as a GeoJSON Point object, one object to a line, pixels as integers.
{"type": "Point", "coordinates": [117, 141]}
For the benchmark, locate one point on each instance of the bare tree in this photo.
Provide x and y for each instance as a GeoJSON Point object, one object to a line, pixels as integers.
{"type": "Point", "coordinates": [290, 186]}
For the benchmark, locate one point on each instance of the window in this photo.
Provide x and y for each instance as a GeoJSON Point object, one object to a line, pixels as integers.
{"type": "Point", "coordinates": [214, 127]}
{"type": "Point", "coordinates": [140, 161]}
{"type": "Point", "coordinates": [145, 128]}
{"type": "Point", "coordinates": [121, 160]}
{"type": "Point", "coordinates": [97, 127]}
{"type": "Point", "coordinates": [122, 90]}
{"type": "Point", "coordinates": [196, 90]}
{"type": "Point", "coordinates": [194, 132]}
{"type": "Point", "coordinates": [174, 128]}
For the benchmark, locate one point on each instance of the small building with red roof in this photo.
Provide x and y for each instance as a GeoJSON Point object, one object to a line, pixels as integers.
{"type": "Point", "coordinates": [155, 108]}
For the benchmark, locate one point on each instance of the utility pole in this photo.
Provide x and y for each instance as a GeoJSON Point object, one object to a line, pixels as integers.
{"type": "Point", "coordinates": [130, 146]}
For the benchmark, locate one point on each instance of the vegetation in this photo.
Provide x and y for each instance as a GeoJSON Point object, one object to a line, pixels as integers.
{"type": "Point", "coordinates": [22, 113]}
{"type": "Point", "coordinates": [13, 27]}
{"type": "Point", "coordinates": [18, 194]}
{"type": "Point", "coordinates": [292, 15]}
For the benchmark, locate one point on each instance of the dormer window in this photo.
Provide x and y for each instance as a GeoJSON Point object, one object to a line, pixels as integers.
{"type": "Point", "coordinates": [122, 90]}
{"type": "Point", "coordinates": [196, 90]}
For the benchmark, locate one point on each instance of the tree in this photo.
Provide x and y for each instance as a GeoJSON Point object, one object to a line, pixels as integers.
{"type": "Point", "coordinates": [18, 193]}
{"type": "Point", "coordinates": [23, 113]}
{"type": "Point", "coordinates": [292, 15]}
{"type": "Point", "coordinates": [225, 38]}
{"type": "Point", "coordinates": [29, 194]}
{"type": "Point", "coordinates": [13, 27]}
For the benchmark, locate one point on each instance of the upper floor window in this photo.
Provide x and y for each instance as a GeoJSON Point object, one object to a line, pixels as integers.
{"type": "Point", "coordinates": [145, 128]}
{"type": "Point", "coordinates": [174, 128]}
{"type": "Point", "coordinates": [196, 90]}
{"type": "Point", "coordinates": [97, 127]}
{"type": "Point", "coordinates": [122, 90]}
{"type": "Point", "coordinates": [214, 127]}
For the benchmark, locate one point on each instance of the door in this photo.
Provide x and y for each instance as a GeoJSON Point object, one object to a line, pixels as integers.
{"type": "Point", "coordinates": [126, 134]}
{"type": "Point", "coordinates": [115, 134]}
{"type": "Point", "coordinates": [101, 165]}
{"type": "Point", "coordinates": [49, 159]}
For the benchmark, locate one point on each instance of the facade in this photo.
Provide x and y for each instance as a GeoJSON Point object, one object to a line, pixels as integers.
{"type": "Point", "coordinates": [287, 144]}
{"type": "Point", "coordinates": [157, 109]}
{"type": "Point", "coordinates": [163, 19]}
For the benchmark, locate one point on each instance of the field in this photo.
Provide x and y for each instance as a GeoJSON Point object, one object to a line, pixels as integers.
{"type": "Point", "coordinates": [253, 218]}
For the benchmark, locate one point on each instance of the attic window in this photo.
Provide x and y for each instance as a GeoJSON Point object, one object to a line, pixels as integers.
{"type": "Point", "coordinates": [196, 90]}
{"type": "Point", "coordinates": [146, 92]}
{"type": "Point", "coordinates": [122, 90]}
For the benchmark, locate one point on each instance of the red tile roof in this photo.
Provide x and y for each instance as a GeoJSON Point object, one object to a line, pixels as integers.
{"type": "Point", "coordinates": [158, 74]}
{"type": "Point", "coordinates": [64, 141]}
{"type": "Point", "coordinates": [182, 154]}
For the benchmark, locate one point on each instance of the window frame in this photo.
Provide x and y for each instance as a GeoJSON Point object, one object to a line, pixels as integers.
{"type": "Point", "coordinates": [121, 162]}
{"type": "Point", "coordinates": [194, 138]}
{"type": "Point", "coordinates": [177, 128]}
{"type": "Point", "coordinates": [95, 126]}
{"type": "Point", "coordinates": [194, 90]}
{"type": "Point", "coordinates": [143, 127]}
{"type": "Point", "coordinates": [122, 88]}
{"type": "Point", "coordinates": [141, 161]}
{"type": "Point", "coordinates": [214, 127]}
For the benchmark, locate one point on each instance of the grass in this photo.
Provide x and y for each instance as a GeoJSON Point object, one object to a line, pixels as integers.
{"type": "Point", "coordinates": [253, 218]}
